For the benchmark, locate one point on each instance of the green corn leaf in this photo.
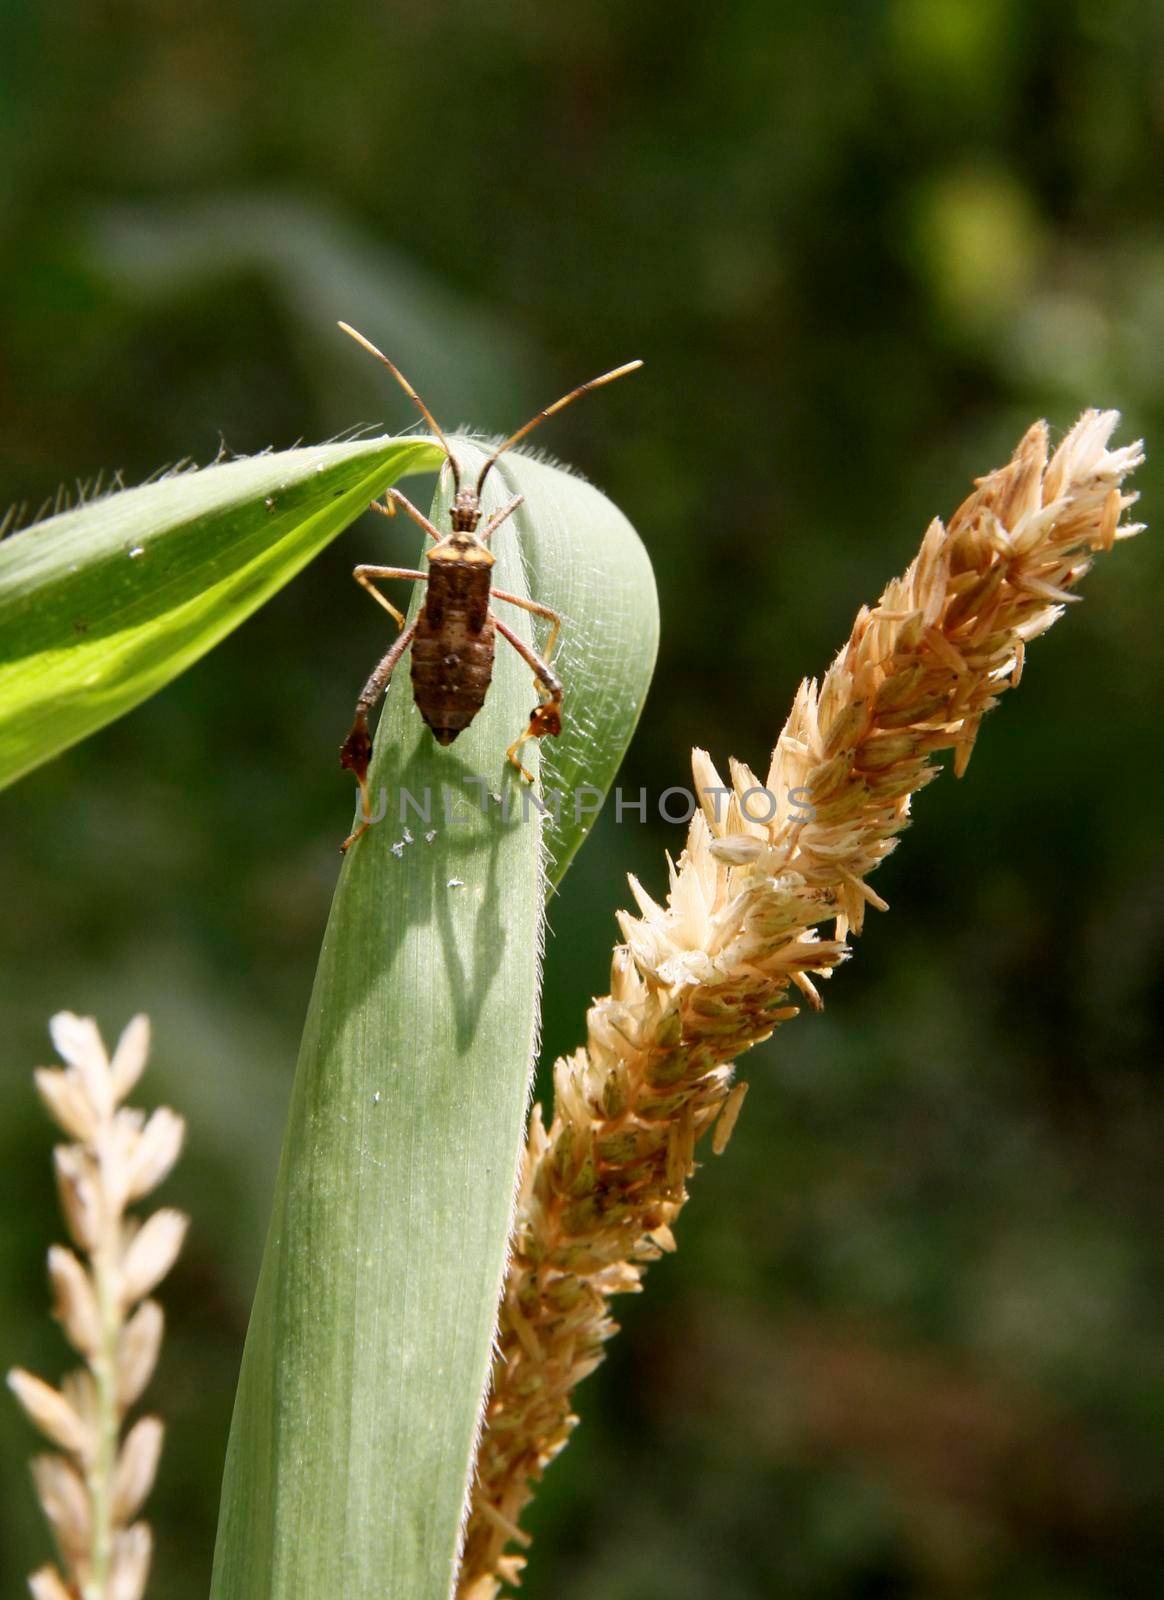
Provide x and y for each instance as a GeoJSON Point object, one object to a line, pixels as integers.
{"type": "Point", "coordinates": [102, 606]}
{"type": "Point", "coordinates": [369, 1344]}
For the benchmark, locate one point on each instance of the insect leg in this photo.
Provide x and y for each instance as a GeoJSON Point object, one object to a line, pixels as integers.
{"type": "Point", "coordinates": [364, 575]}
{"type": "Point", "coordinates": [546, 717]}
{"type": "Point", "coordinates": [499, 517]}
{"type": "Point", "coordinates": [551, 617]}
{"type": "Point", "coordinates": [395, 498]}
{"type": "Point", "coordinates": [356, 750]}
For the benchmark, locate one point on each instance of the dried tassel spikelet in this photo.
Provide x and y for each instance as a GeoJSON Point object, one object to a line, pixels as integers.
{"type": "Point", "coordinates": [74, 1301]}
{"type": "Point", "coordinates": [91, 1493]}
{"type": "Point", "coordinates": [709, 975]}
{"type": "Point", "coordinates": [45, 1584]}
{"type": "Point", "coordinates": [137, 1466]}
{"type": "Point", "coordinates": [137, 1352]}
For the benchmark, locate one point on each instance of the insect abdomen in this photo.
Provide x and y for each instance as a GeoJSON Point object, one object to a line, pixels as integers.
{"type": "Point", "coordinates": [452, 653]}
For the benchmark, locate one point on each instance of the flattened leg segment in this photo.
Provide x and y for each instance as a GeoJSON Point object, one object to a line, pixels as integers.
{"type": "Point", "coordinates": [543, 719]}
{"type": "Point", "coordinates": [546, 717]}
{"type": "Point", "coordinates": [356, 750]}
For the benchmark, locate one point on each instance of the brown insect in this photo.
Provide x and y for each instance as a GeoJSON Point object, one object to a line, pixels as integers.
{"type": "Point", "coordinates": [453, 634]}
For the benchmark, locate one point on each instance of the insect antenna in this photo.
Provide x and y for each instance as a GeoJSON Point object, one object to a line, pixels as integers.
{"type": "Point", "coordinates": [412, 395]}
{"type": "Point", "coordinates": [558, 405]}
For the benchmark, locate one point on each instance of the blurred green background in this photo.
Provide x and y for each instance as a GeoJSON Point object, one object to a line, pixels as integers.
{"type": "Point", "coordinates": [911, 1343]}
